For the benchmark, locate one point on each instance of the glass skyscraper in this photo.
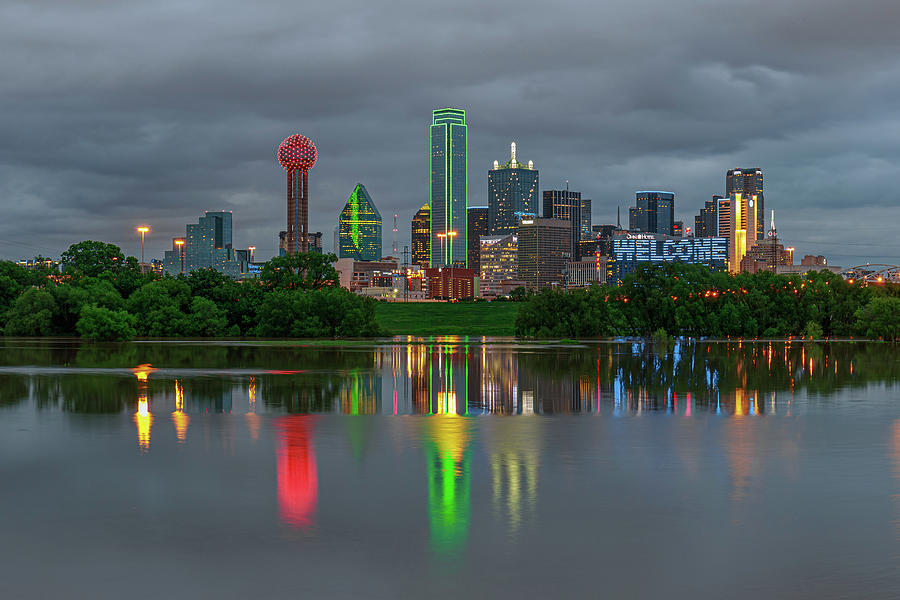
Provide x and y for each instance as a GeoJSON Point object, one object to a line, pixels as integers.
{"type": "Point", "coordinates": [207, 245]}
{"type": "Point", "coordinates": [512, 194]}
{"type": "Point", "coordinates": [449, 193]}
{"type": "Point", "coordinates": [654, 212]}
{"type": "Point", "coordinates": [359, 226]}
{"type": "Point", "coordinates": [477, 227]}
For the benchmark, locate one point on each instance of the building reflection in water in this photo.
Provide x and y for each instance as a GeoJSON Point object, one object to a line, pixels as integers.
{"type": "Point", "coordinates": [180, 418]}
{"type": "Point", "coordinates": [449, 474]}
{"type": "Point", "coordinates": [514, 472]}
{"type": "Point", "coordinates": [143, 419]}
{"type": "Point", "coordinates": [298, 484]}
{"type": "Point", "coordinates": [251, 416]}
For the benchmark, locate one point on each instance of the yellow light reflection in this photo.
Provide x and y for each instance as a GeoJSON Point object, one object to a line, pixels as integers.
{"type": "Point", "coordinates": [143, 419]}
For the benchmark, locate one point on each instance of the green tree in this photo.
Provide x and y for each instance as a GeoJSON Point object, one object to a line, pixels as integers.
{"type": "Point", "coordinates": [161, 308]}
{"type": "Point", "coordinates": [880, 318]}
{"type": "Point", "coordinates": [310, 271]}
{"type": "Point", "coordinates": [90, 259]}
{"type": "Point", "coordinates": [206, 319]}
{"type": "Point", "coordinates": [32, 314]}
{"type": "Point", "coordinates": [99, 323]}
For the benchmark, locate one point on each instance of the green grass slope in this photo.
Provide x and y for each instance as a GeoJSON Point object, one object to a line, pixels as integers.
{"type": "Point", "coordinates": [445, 318]}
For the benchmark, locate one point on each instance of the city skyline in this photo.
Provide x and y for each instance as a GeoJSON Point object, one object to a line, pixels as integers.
{"type": "Point", "coordinates": [158, 137]}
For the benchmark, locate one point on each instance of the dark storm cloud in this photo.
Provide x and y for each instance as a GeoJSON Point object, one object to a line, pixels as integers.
{"type": "Point", "coordinates": [118, 113]}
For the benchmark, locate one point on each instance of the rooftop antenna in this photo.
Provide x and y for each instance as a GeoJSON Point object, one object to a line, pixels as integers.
{"type": "Point", "coordinates": [395, 252]}
{"type": "Point", "coordinates": [618, 217]}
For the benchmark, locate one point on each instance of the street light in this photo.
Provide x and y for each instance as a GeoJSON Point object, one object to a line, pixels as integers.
{"type": "Point", "coordinates": [251, 249]}
{"type": "Point", "coordinates": [180, 244]}
{"type": "Point", "coordinates": [790, 249]}
{"type": "Point", "coordinates": [443, 256]}
{"type": "Point", "coordinates": [143, 230]}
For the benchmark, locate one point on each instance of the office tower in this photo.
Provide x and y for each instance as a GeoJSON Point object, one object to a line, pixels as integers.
{"type": "Point", "coordinates": [678, 228]}
{"type": "Point", "coordinates": [421, 236]}
{"type": "Point", "coordinates": [749, 183]}
{"type": "Point", "coordinates": [449, 195]}
{"type": "Point", "coordinates": [706, 223]}
{"type": "Point", "coordinates": [653, 212]}
{"type": "Point", "coordinates": [207, 245]}
{"type": "Point", "coordinates": [314, 242]}
{"type": "Point", "coordinates": [723, 217]}
{"type": "Point", "coordinates": [360, 227]}
{"type": "Point", "coordinates": [743, 217]}
{"type": "Point", "coordinates": [512, 194]}
{"type": "Point", "coordinates": [477, 217]}
{"type": "Point", "coordinates": [565, 204]}
{"type": "Point", "coordinates": [499, 263]}
{"type": "Point", "coordinates": [297, 155]}
{"type": "Point", "coordinates": [586, 218]}
{"type": "Point", "coordinates": [544, 248]}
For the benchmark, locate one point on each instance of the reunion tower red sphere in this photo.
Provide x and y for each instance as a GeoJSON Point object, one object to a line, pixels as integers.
{"type": "Point", "coordinates": [297, 152]}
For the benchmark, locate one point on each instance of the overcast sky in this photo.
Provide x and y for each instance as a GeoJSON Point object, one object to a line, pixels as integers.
{"type": "Point", "coordinates": [115, 114]}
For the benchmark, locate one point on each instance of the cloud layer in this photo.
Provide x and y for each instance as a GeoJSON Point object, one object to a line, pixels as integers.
{"type": "Point", "coordinates": [115, 114]}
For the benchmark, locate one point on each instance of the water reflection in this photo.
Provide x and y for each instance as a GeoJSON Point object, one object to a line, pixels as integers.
{"type": "Point", "coordinates": [447, 460]}
{"type": "Point", "coordinates": [142, 417]}
{"type": "Point", "coordinates": [298, 484]}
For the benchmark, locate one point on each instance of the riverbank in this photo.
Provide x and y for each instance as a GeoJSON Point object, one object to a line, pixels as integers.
{"type": "Point", "coordinates": [448, 318]}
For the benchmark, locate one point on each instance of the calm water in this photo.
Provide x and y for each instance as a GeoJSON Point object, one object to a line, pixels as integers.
{"type": "Point", "coordinates": [449, 469]}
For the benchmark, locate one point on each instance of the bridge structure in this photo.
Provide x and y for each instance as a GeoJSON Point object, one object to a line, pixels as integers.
{"type": "Point", "coordinates": [873, 273]}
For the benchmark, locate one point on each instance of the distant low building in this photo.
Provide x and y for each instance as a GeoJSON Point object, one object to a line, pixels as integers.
{"type": "Point", "coordinates": [585, 273]}
{"type": "Point", "coordinates": [451, 283]}
{"type": "Point", "coordinates": [355, 275]}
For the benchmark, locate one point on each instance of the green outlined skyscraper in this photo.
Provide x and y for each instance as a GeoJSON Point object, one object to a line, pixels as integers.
{"type": "Point", "coordinates": [449, 193]}
{"type": "Point", "coordinates": [359, 227]}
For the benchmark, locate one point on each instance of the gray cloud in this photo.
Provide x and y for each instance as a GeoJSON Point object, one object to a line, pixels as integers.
{"type": "Point", "coordinates": [114, 114]}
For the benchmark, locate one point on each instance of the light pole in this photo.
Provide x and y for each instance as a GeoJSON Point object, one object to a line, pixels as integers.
{"type": "Point", "coordinates": [443, 256]}
{"type": "Point", "coordinates": [451, 235]}
{"type": "Point", "coordinates": [143, 230]}
{"type": "Point", "coordinates": [790, 250]}
{"type": "Point", "coordinates": [180, 244]}
{"type": "Point", "coordinates": [251, 249]}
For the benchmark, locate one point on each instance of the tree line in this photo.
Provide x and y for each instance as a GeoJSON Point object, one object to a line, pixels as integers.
{"type": "Point", "coordinates": [103, 295]}
{"type": "Point", "coordinates": [691, 300]}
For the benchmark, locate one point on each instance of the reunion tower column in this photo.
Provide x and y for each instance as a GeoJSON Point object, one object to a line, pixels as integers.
{"type": "Point", "coordinates": [297, 155]}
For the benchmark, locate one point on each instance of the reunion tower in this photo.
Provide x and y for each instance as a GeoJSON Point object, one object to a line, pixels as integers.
{"type": "Point", "coordinates": [297, 154]}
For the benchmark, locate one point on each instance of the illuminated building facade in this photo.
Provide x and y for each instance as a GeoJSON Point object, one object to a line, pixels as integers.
{"type": "Point", "coordinates": [742, 217]}
{"type": "Point", "coordinates": [565, 205]}
{"type": "Point", "coordinates": [653, 212]}
{"type": "Point", "coordinates": [512, 194]}
{"type": "Point", "coordinates": [544, 248]}
{"type": "Point", "coordinates": [314, 242]}
{"type": "Point", "coordinates": [499, 264]}
{"type": "Point", "coordinates": [749, 183]}
{"type": "Point", "coordinates": [207, 245]}
{"type": "Point", "coordinates": [297, 154]}
{"type": "Point", "coordinates": [632, 249]}
{"type": "Point", "coordinates": [360, 227]}
{"type": "Point", "coordinates": [477, 217]}
{"type": "Point", "coordinates": [449, 187]}
{"type": "Point", "coordinates": [421, 237]}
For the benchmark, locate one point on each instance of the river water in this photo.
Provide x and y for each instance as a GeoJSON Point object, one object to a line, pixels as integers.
{"type": "Point", "coordinates": [449, 468]}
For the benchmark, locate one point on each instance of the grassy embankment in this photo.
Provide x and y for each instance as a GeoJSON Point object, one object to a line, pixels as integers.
{"type": "Point", "coordinates": [445, 318]}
